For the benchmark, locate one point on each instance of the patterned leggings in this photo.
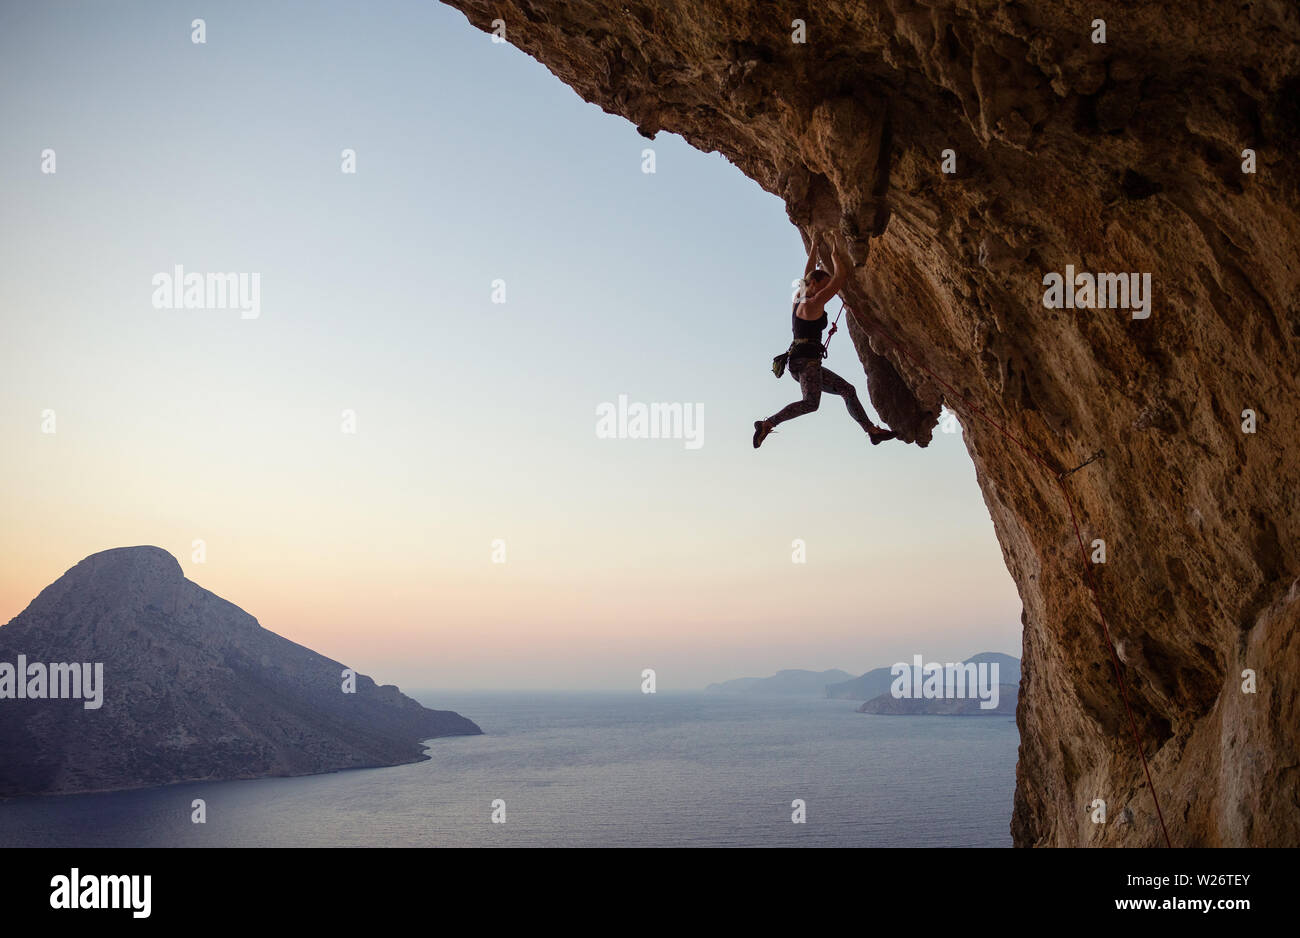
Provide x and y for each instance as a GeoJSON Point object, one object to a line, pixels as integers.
{"type": "Point", "coordinates": [813, 380]}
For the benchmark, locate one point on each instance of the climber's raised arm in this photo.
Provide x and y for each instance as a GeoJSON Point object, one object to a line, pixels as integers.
{"type": "Point", "coordinates": [839, 277]}
{"type": "Point", "coordinates": [814, 236]}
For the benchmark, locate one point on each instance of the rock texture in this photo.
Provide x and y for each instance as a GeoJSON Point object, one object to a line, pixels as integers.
{"type": "Point", "coordinates": [1122, 156]}
{"type": "Point", "coordinates": [194, 689]}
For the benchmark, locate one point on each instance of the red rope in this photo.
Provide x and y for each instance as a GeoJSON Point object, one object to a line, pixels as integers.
{"type": "Point", "coordinates": [834, 327]}
{"type": "Point", "coordinates": [1059, 477]}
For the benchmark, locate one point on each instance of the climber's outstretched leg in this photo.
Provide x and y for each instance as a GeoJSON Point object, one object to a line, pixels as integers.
{"type": "Point", "coordinates": [808, 372]}
{"type": "Point", "coordinates": [813, 380]}
{"type": "Point", "coordinates": [834, 384]}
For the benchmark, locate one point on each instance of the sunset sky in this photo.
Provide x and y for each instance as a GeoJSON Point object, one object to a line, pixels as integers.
{"type": "Point", "coordinates": [475, 420]}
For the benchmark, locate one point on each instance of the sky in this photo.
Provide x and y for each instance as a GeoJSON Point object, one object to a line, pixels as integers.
{"type": "Point", "coordinates": [396, 462]}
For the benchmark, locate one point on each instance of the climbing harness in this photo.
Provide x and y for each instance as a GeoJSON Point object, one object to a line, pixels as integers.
{"type": "Point", "coordinates": [1059, 476]}
{"type": "Point", "coordinates": [779, 363]}
{"type": "Point", "coordinates": [798, 345]}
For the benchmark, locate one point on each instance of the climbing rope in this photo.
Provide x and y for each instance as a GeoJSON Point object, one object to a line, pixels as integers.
{"type": "Point", "coordinates": [1059, 477]}
{"type": "Point", "coordinates": [834, 326]}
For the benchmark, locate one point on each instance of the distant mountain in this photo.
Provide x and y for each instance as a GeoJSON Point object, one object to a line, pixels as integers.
{"type": "Point", "coordinates": [872, 684]}
{"type": "Point", "coordinates": [792, 683]}
{"type": "Point", "coordinates": [193, 688]}
{"type": "Point", "coordinates": [886, 703]}
{"type": "Point", "coordinates": [878, 680]}
{"type": "Point", "coordinates": [1008, 666]}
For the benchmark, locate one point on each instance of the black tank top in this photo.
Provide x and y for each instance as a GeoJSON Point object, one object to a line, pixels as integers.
{"type": "Point", "coordinates": [808, 329]}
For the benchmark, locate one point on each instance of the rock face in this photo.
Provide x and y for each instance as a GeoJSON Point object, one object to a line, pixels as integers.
{"type": "Point", "coordinates": [1122, 156]}
{"type": "Point", "coordinates": [194, 689]}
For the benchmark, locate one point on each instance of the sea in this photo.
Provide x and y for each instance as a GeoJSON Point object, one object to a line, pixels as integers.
{"type": "Point", "coordinates": [597, 770]}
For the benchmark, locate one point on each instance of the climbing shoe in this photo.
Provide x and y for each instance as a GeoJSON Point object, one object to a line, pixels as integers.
{"type": "Point", "coordinates": [761, 430]}
{"type": "Point", "coordinates": [878, 436]}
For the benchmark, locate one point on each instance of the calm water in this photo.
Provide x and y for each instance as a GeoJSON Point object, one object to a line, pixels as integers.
{"type": "Point", "coordinates": [599, 770]}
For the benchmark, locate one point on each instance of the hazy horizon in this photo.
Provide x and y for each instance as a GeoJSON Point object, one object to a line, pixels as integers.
{"type": "Point", "coordinates": [475, 421]}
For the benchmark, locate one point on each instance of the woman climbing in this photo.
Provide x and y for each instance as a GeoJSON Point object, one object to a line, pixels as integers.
{"type": "Point", "coordinates": [804, 356]}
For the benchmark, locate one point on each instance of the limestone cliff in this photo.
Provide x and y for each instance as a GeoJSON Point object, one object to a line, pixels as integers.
{"type": "Point", "coordinates": [1122, 156]}
{"type": "Point", "coordinates": [193, 688]}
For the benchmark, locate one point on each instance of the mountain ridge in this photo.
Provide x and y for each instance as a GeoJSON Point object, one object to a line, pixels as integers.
{"type": "Point", "coordinates": [786, 682]}
{"type": "Point", "coordinates": [194, 689]}
{"type": "Point", "coordinates": [874, 683]}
